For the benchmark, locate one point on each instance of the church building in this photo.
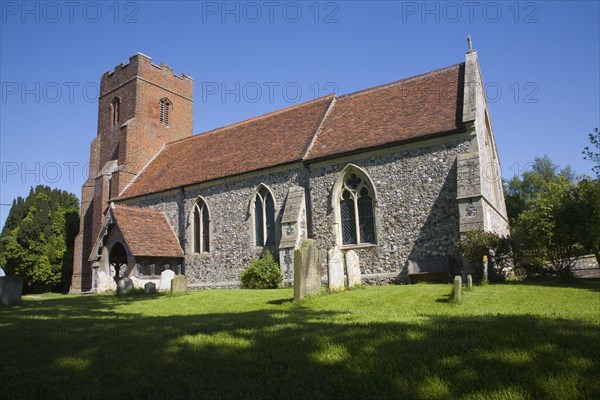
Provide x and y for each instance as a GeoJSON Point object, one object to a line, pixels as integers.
{"type": "Point", "coordinates": [395, 173]}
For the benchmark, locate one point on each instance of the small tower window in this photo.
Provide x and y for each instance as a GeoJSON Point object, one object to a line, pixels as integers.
{"type": "Point", "coordinates": [165, 111]}
{"type": "Point", "coordinates": [115, 111]}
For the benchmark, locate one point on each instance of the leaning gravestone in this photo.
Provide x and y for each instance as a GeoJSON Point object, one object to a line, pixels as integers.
{"type": "Point", "coordinates": [11, 289]}
{"type": "Point", "coordinates": [150, 288]}
{"type": "Point", "coordinates": [165, 280]}
{"type": "Point", "coordinates": [307, 270]}
{"type": "Point", "coordinates": [124, 286]}
{"type": "Point", "coordinates": [353, 269]}
{"type": "Point", "coordinates": [105, 282]}
{"type": "Point", "coordinates": [336, 269]}
{"type": "Point", "coordinates": [179, 284]}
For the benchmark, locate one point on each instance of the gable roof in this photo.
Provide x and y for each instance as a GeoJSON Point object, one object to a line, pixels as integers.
{"type": "Point", "coordinates": [411, 109]}
{"type": "Point", "coordinates": [273, 139]}
{"type": "Point", "coordinates": [146, 232]}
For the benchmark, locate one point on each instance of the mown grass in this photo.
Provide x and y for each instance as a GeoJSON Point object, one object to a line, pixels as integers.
{"type": "Point", "coordinates": [499, 342]}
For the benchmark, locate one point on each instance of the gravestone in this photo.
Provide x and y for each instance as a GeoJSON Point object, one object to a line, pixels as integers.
{"type": "Point", "coordinates": [150, 288]}
{"type": "Point", "coordinates": [105, 282]}
{"type": "Point", "coordinates": [336, 269]}
{"type": "Point", "coordinates": [165, 280]}
{"type": "Point", "coordinates": [124, 286]}
{"type": "Point", "coordinates": [11, 289]}
{"type": "Point", "coordinates": [457, 287]}
{"type": "Point", "coordinates": [307, 270]}
{"type": "Point", "coordinates": [179, 284]}
{"type": "Point", "coordinates": [353, 269]}
{"type": "Point", "coordinates": [485, 268]}
{"type": "Point", "coordinates": [469, 282]}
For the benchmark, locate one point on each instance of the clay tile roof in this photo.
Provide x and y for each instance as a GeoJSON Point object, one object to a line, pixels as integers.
{"type": "Point", "coordinates": [147, 232]}
{"type": "Point", "coordinates": [273, 139]}
{"type": "Point", "coordinates": [415, 108]}
{"type": "Point", "coordinates": [405, 110]}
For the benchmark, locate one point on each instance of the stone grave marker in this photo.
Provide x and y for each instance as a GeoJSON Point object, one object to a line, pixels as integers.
{"type": "Point", "coordinates": [11, 289]}
{"type": "Point", "coordinates": [457, 287]}
{"type": "Point", "coordinates": [165, 280]}
{"type": "Point", "coordinates": [307, 270]}
{"type": "Point", "coordinates": [336, 269]}
{"type": "Point", "coordinates": [105, 282]}
{"type": "Point", "coordinates": [353, 269]}
{"type": "Point", "coordinates": [179, 284]}
{"type": "Point", "coordinates": [124, 286]}
{"type": "Point", "coordinates": [150, 288]}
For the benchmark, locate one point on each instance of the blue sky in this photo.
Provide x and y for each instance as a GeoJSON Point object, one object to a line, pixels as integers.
{"type": "Point", "coordinates": [540, 61]}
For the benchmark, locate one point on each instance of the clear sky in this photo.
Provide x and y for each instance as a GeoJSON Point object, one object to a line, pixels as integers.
{"type": "Point", "coordinates": [540, 61]}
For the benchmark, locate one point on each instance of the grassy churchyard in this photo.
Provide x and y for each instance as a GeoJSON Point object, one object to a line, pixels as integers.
{"type": "Point", "coordinates": [517, 341]}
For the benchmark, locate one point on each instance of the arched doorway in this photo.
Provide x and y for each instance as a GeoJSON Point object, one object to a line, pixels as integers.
{"type": "Point", "coordinates": [117, 259]}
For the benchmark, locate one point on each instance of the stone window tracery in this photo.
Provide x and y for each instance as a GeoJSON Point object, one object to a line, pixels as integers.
{"type": "Point", "coordinates": [201, 225]}
{"type": "Point", "coordinates": [264, 218]}
{"type": "Point", "coordinates": [356, 211]}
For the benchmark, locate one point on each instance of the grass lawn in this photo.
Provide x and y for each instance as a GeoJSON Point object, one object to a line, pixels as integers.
{"type": "Point", "coordinates": [538, 341]}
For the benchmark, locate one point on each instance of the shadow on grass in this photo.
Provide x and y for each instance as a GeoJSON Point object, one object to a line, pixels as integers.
{"type": "Point", "coordinates": [279, 302]}
{"type": "Point", "coordinates": [292, 352]}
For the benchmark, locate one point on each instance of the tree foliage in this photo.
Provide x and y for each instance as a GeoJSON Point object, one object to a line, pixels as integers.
{"type": "Point", "coordinates": [592, 152]}
{"type": "Point", "coordinates": [562, 224]}
{"type": "Point", "coordinates": [36, 242]}
{"type": "Point", "coordinates": [521, 191]}
{"type": "Point", "coordinates": [474, 245]}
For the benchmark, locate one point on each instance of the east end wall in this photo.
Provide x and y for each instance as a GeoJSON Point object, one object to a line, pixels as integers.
{"type": "Point", "coordinates": [231, 230]}
{"type": "Point", "coordinates": [416, 210]}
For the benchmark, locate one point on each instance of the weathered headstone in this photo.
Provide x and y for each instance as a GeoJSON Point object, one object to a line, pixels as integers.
{"type": "Point", "coordinates": [469, 282]}
{"type": "Point", "coordinates": [353, 269]}
{"type": "Point", "coordinates": [11, 289]}
{"type": "Point", "coordinates": [457, 287]}
{"type": "Point", "coordinates": [307, 270]}
{"type": "Point", "coordinates": [179, 284]}
{"type": "Point", "coordinates": [124, 286]}
{"type": "Point", "coordinates": [137, 283]}
{"type": "Point", "coordinates": [485, 268]}
{"type": "Point", "coordinates": [150, 288]}
{"type": "Point", "coordinates": [105, 282]}
{"type": "Point", "coordinates": [165, 280]}
{"type": "Point", "coordinates": [336, 269]}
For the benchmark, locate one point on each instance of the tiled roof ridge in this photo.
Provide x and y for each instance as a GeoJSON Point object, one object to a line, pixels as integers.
{"type": "Point", "coordinates": [319, 128]}
{"type": "Point", "coordinates": [137, 208]}
{"type": "Point", "coordinates": [253, 119]}
{"type": "Point", "coordinates": [144, 168]}
{"type": "Point", "coordinates": [410, 78]}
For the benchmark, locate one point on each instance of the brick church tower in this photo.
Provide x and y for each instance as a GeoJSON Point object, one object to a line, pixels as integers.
{"type": "Point", "coordinates": [141, 107]}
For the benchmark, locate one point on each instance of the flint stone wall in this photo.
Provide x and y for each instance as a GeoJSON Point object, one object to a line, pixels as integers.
{"type": "Point", "coordinates": [416, 212]}
{"type": "Point", "coordinates": [231, 228]}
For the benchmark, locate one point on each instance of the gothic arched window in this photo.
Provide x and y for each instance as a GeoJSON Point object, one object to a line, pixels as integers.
{"type": "Point", "coordinates": [264, 217]}
{"type": "Point", "coordinates": [115, 111]}
{"type": "Point", "coordinates": [200, 227]}
{"type": "Point", "coordinates": [356, 210]}
{"type": "Point", "coordinates": [165, 111]}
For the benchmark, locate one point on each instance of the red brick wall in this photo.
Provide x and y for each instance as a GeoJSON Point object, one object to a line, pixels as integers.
{"type": "Point", "coordinates": [140, 85]}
